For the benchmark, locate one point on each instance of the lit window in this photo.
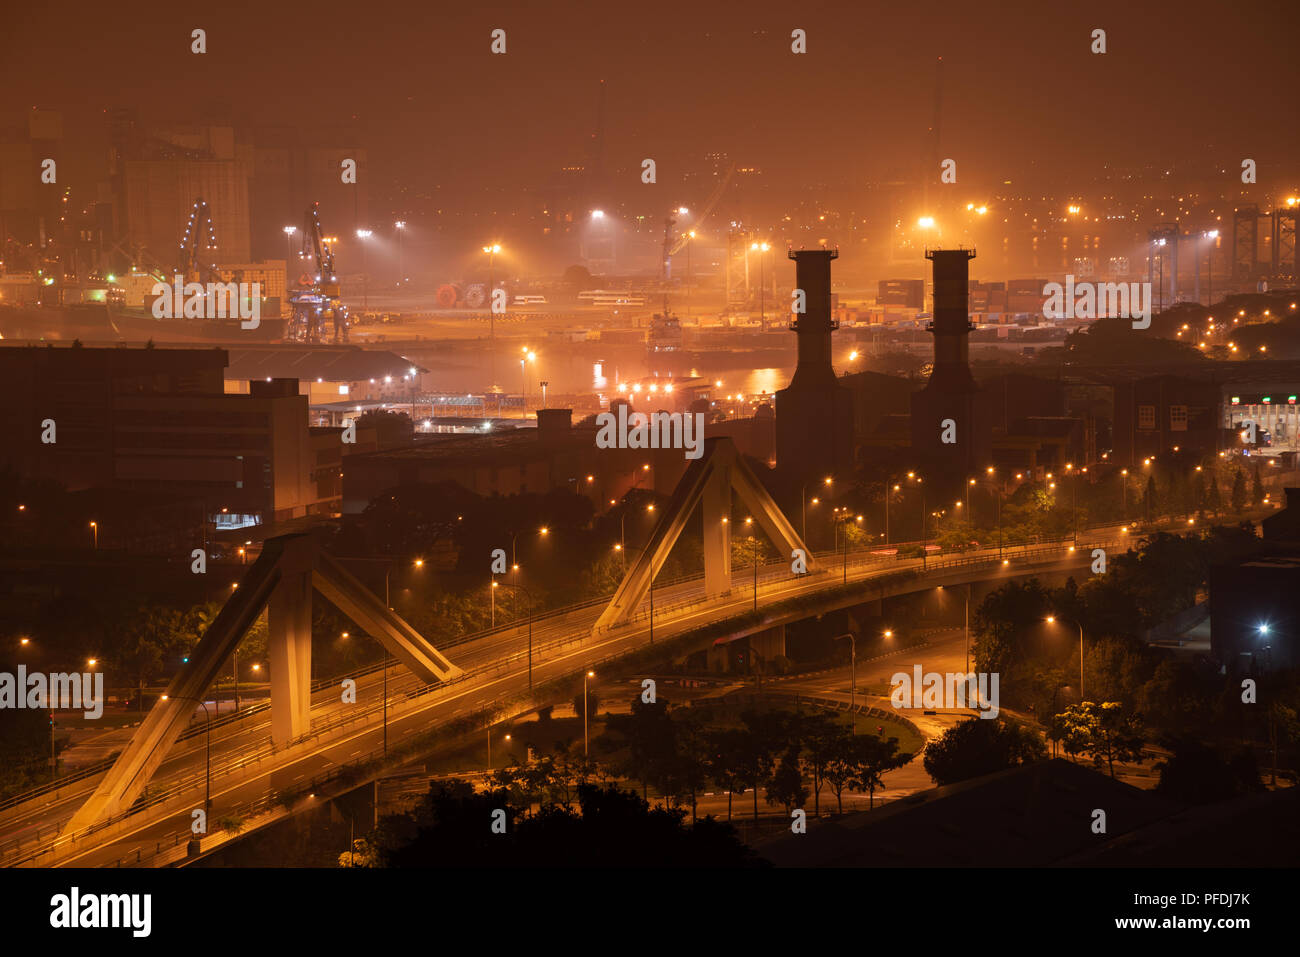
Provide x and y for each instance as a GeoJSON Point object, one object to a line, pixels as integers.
{"type": "Point", "coordinates": [1178, 418]}
{"type": "Point", "coordinates": [1146, 416]}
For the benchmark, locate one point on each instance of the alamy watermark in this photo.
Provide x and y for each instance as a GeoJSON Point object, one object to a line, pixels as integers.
{"type": "Point", "coordinates": [933, 690]}
{"type": "Point", "coordinates": [124, 911]}
{"type": "Point", "coordinates": [658, 430]}
{"type": "Point", "coordinates": [1099, 300]}
{"type": "Point", "coordinates": [213, 300]}
{"type": "Point", "coordinates": [53, 692]}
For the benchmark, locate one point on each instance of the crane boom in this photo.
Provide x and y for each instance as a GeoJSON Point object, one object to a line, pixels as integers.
{"type": "Point", "coordinates": [708, 208]}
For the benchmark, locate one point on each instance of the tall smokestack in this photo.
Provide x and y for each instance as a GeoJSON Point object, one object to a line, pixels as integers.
{"type": "Point", "coordinates": [812, 270]}
{"type": "Point", "coordinates": [951, 325]}
{"type": "Point", "coordinates": [952, 422]}
{"type": "Point", "coordinates": [814, 413]}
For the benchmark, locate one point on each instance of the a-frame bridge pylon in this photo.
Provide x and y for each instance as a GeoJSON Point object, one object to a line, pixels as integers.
{"type": "Point", "coordinates": [709, 480]}
{"type": "Point", "coordinates": [282, 581]}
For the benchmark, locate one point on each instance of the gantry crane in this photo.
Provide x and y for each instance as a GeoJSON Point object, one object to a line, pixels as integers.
{"type": "Point", "coordinates": [197, 260]}
{"type": "Point", "coordinates": [317, 301]}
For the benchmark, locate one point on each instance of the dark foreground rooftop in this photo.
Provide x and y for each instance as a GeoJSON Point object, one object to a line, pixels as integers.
{"type": "Point", "coordinates": [1040, 815]}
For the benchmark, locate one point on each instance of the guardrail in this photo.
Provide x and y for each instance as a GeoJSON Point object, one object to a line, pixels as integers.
{"type": "Point", "coordinates": [414, 699]}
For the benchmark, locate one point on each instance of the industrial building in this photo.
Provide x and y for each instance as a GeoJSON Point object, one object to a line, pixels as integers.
{"type": "Point", "coordinates": [1254, 602]}
{"type": "Point", "coordinates": [160, 423]}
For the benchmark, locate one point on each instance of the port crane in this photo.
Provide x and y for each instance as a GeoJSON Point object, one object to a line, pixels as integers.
{"type": "Point", "coordinates": [197, 246]}
{"type": "Point", "coordinates": [672, 246]}
{"type": "Point", "coordinates": [316, 301]}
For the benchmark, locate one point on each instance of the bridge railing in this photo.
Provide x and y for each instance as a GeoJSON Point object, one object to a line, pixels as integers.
{"type": "Point", "coordinates": [258, 752]}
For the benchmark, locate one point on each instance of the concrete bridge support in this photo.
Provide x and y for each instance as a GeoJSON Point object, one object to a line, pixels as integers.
{"type": "Point", "coordinates": [289, 645]}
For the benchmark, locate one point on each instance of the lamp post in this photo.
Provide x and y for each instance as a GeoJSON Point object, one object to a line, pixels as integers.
{"type": "Point", "coordinates": [389, 564]}
{"type": "Point", "coordinates": [923, 551]}
{"type": "Point", "coordinates": [544, 530]}
{"type": "Point", "coordinates": [491, 250]}
{"type": "Point", "coordinates": [749, 523]}
{"type": "Point", "coordinates": [585, 710]}
{"type": "Point", "coordinates": [1051, 620]}
{"type": "Point", "coordinates": [967, 627]}
{"type": "Point", "coordinates": [207, 797]}
{"type": "Point", "coordinates": [400, 226]}
{"type": "Point", "coordinates": [363, 235]}
{"type": "Point", "coordinates": [94, 531]}
{"type": "Point", "coordinates": [853, 679]}
{"type": "Point", "coordinates": [691, 242]}
{"type": "Point", "coordinates": [803, 498]}
{"type": "Point", "coordinates": [529, 595]}
{"type": "Point", "coordinates": [761, 248]}
{"type": "Point", "coordinates": [1212, 236]}
{"type": "Point", "coordinates": [489, 733]}
{"type": "Point", "coordinates": [1074, 485]}
{"type": "Point", "coordinates": [288, 250]}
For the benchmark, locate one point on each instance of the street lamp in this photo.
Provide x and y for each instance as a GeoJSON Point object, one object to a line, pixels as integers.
{"type": "Point", "coordinates": [528, 356]}
{"type": "Point", "coordinates": [207, 797]}
{"type": "Point", "coordinates": [1074, 522]}
{"type": "Point", "coordinates": [761, 249]}
{"type": "Point", "coordinates": [853, 672]}
{"type": "Point", "coordinates": [288, 248]}
{"type": "Point", "coordinates": [1051, 620]}
{"type": "Point", "coordinates": [529, 595]}
{"type": "Point", "coordinates": [364, 234]}
{"type": "Point", "coordinates": [94, 530]}
{"type": "Point", "coordinates": [491, 249]}
{"type": "Point", "coordinates": [803, 498]}
{"type": "Point", "coordinates": [489, 733]}
{"type": "Point", "coordinates": [400, 226]}
{"type": "Point", "coordinates": [585, 710]}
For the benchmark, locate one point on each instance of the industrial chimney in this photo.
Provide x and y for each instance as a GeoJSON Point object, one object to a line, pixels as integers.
{"type": "Point", "coordinates": [814, 414]}
{"type": "Point", "coordinates": [952, 424]}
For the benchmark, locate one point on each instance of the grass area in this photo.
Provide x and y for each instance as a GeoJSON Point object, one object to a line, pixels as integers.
{"type": "Point", "coordinates": [109, 719]}
{"type": "Point", "coordinates": [472, 754]}
{"type": "Point", "coordinates": [909, 741]}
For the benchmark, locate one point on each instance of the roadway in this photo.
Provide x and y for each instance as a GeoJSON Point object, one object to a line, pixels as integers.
{"type": "Point", "coordinates": [496, 669]}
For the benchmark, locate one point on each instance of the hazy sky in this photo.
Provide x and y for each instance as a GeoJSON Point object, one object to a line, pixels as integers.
{"type": "Point", "coordinates": [1179, 80]}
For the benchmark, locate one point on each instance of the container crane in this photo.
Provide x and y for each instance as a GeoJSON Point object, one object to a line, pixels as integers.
{"type": "Point", "coordinates": [317, 300]}
{"type": "Point", "coordinates": [196, 263]}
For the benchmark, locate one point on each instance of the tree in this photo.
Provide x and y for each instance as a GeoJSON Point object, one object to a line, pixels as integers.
{"type": "Point", "coordinates": [721, 768]}
{"type": "Point", "coordinates": [786, 785]}
{"type": "Point", "coordinates": [841, 768]}
{"type": "Point", "coordinates": [609, 828]}
{"type": "Point", "coordinates": [1198, 495]}
{"type": "Point", "coordinates": [25, 735]}
{"type": "Point", "coordinates": [1104, 730]}
{"type": "Point", "coordinates": [584, 700]}
{"type": "Point", "coordinates": [146, 640]}
{"type": "Point", "coordinates": [687, 766]}
{"type": "Point", "coordinates": [1150, 500]}
{"type": "Point", "coordinates": [1195, 774]}
{"type": "Point", "coordinates": [1256, 487]}
{"type": "Point", "coordinates": [651, 740]}
{"type": "Point", "coordinates": [981, 746]}
{"type": "Point", "coordinates": [1214, 498]}
{"type": "Point", "coordinates": [873, 756]}
{"type": "Point", "coordinates": [1006, 620]}
{"type": "Point", "coordinates": [751, 762]}
{"type": "Point", "coordinates": [1238, 498]}
{"type": "Point", "coordinates": [821, 735]}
